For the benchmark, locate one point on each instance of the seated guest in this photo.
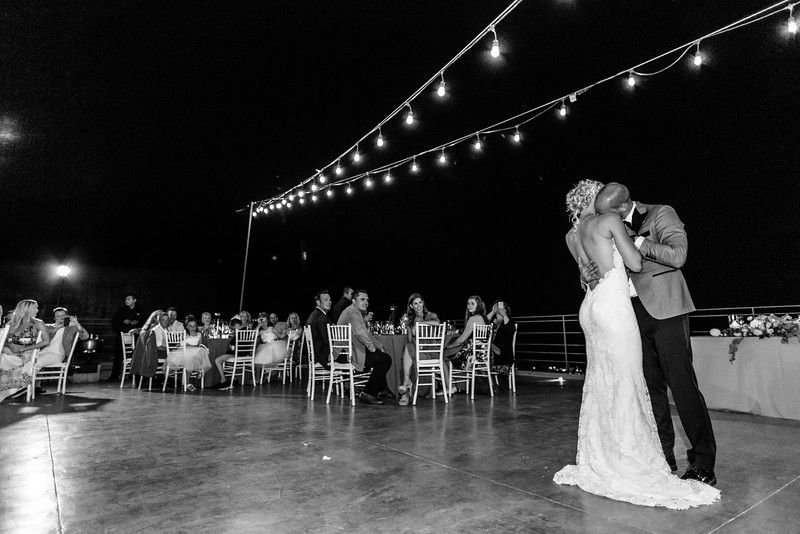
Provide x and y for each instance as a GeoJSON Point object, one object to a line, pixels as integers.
{"type": "Point", "coordinates": [459, 350]}
{"type": "Point", "coordinates": [206, 326]}
{"type": "Point", "coordinates": [160, 332]}
{"type": "Point", "coordinates": [368, 351]}
{"type": "Point", "coordinates": [504, 328]}
{"type": "Point", "coordinates": [341, 304]}
{"type": "Point", "coordinates": [295, 332]}
{"type": "Point", "coordinates": [146, 354]}
{"type": "Point", "coordinates": [319, 321]}
{"type": "Point", "coordinates": [62, 334]}
{"type": "Point", "coordinates": [272, 346]}
{"type": "Point", "coordinates": [194, 357]}
{"type": "Point", "coordinates": [235, 324]}
{"type": "Point", "coordinates": [247, 320]}
{"type": "Point", "coordinates": [174, 325]}
{"type": "Point", "coordinates": [417, 313]}
{"type": "Point", "coordinates": [16, 359]}
{"type": "Point", "coordinates": [273, 319]}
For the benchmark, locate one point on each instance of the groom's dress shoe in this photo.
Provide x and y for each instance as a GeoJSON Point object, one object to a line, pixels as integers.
{"type": "Point", "coordinates": [366, 398]}
{"type": "Point", "coordinates": [705, 476]}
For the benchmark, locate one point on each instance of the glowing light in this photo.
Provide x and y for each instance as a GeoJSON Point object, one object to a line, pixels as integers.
{"type": "Point", "coordinates": [517, 135]}
{"type": "Point", "coordinates": [329, 192]}
{"type": "Point", "coordinates": [495, 52]}
{"type": "Point", "coordinates": [291, 197]}
{"type": "Point", "coordinates": [302, 201]}
{"type": "Point", "coordinates": [356, 155]}
{"type": "Point", "coordinates": [322, 178]}
{"type": "Point", "coordinates": [289, 205]}
{"type": "Point", "coordinates": [255, 214]}
{"type": "Point", "coordinates": [441, 90]}
{"type": "Point", "coordinates": [301, 193]}
{"type": "Point", "coordinates": [698, 58]}
{"type": "Point", "coordinates": [272, 207]}
{"type": "Point", "coordinates": [631, 79]}
{"type": "Point", "coordinates": [313, 198]}
{"type": "Point", "coordinates": [380, 142]}
{"type": "Point", "coordinates": [410, 115]}
{"type": "Point", "coordinates": [314, 187]}
{"type": "Point", "coordinates": [349, 190]}
{"type": "Point", "coordinates": [283, 201]}
{"type": "Point", "coordinates": [279, 206]}
{"type": "Point", "coordinates": [562, 111]}
{"type": "Point", "coordinates": [387, 178]}
{"type": "Point", "coordinates": [477, 145]}
{"type": "Point", "coordinates": [338, 169]}
{"type": "Point", "coordinates": [442, 158]}
{"type": "Point", "coordinates": [414, 166]}
{"type": "Point", "coordinates": [368, 183]}
{"type": "Point", "coordinates": [791, 26]}
{"type": "Point", "coordinates": [560, 379]}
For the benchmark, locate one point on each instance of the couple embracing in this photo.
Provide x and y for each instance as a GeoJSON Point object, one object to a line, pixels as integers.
{"type": "Point", "coordinates": [634, 318]}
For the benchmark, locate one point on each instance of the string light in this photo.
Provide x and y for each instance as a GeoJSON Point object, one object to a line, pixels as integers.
{"type": "Point", "coordinates": [314, 187]}
{"type": "Point", "coordinates": [302, 201]}
{"type": "Point", "coordinates": [289, 205]}
{"type": "Point", "coordinates": [368, 182]}
{"type": "Point", "coordinates": [517, 135]}
{"type": "Point", "coordinates": [698, 58]}
{"type": "Point", "coordinates": [442, 158]}
{"type": "Point", "coordinates": [380, 142]}
{"type": "Point", "coordinates": [272, 207]}
{"type": "Point", "coordinates": [356, 155]}
{"type": "Point", "coordinates": [414, 166]}
{"type": "Point", "coordinates": [255, 214]}
{"type": "Point", "coordinates": [562, 111]}
{"type": "Point", "coordinates": [291, 197]}
{"type": "Point", "coordinates": [283, 201]}
{"type": "Point", "coordinates": [495, 44]}
{"type": "Point", "coordinates": [631, 79]}
{"type": "Point", "coordinates": [791, 26]}
{"type": "Point", "coordinates": [279, 206]}
{"type": "Point", "coordinates": [387, 178]}
{"type": "Point", "coordinates": [478, 145]}
{"type": "Point", "coordinates": [301, 193]}
{"type": "Point", "coordinates": [329, 192]}
{"type": "Point", "coordinates": [410, 115]}
{"type": "Point", "coordinates": [338, 169]}
{"type": "Point", "coordinates": [313, 198]}
{"type": "Point", "coordinates": [349, 190]}
{"type": "Point", "coordinates": [441, 90]}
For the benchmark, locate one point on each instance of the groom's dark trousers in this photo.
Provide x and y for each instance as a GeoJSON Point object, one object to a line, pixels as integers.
{"type": "Point", "coordinates": [667, 362]}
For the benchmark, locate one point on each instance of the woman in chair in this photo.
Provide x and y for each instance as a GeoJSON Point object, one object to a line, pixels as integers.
{"type": "Point", "coordinates": [272, 348]}
{"type": "Point", "coordinates": [459, 351]}
{"type": "Point", "coordinates": [194, 357]}
{"type": "Point", "coordinates": [16, 358]}
{"type": "Point", "coordinates": [417, 313]}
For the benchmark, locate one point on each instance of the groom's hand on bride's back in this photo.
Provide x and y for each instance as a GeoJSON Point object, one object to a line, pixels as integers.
{"type": "Point", "coordinates": [590, 273]}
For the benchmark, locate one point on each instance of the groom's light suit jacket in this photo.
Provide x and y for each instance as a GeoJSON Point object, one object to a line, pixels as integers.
{"type": "Point", "coordinates": [660, 284]}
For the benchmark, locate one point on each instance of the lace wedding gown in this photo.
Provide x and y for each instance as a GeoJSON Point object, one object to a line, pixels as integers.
{"type": "Point", "coordinates": [619, 452]}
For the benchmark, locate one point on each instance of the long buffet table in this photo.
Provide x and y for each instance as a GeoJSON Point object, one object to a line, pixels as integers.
{"type": "Point", "coordinates": [764, 379]}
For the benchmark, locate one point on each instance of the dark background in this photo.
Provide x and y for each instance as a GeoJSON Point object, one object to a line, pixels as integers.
{"type": "Point", "coordinates": [143, 126]}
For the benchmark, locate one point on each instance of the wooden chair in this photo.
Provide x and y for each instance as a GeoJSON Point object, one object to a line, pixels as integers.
{"type": "Point", "coordinates": [243, 353]}
{"type": "Point", "coordinates": [128, 344]}
{"type": "Point", "coordinates": [315, 374]}
{"type": "Point", "coordinates": [341, 343]}
{"type": "Point", "coordinates": [176, 344]}
{"type": "Point", "coordinates": [480, 364]}
{"type": "Point", "coordinates": [57, 371]}
{"type": "Point", "coordinates": [280, 367]}
{"type": "Point", "coordinates": [512, 376]}
{"type": "Point", "coordinates": [429, 359]}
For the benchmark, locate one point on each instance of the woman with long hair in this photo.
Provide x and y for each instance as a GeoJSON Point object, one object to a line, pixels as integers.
{"type": "Point", "coordinates": [22, 339]}
{"type": "Point", "coordinates": [417, 313]}
{"type": "Point", "coordinates": [459, 350]}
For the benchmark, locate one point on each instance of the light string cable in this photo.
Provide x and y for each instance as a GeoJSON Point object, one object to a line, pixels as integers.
{"type": "Point", "coordinates": [439, 74]}
{"type": "Point", "coordinates": [520, 119]}
{"type": "Point", "coordinates": [514, 122]}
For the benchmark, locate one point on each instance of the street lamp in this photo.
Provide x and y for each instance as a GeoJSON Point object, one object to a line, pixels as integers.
{"type": "Point", "coordinates": [62, 271]}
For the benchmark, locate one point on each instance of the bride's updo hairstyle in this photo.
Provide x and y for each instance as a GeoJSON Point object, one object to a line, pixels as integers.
{"type": "Point", "coordinates": [581, 197]}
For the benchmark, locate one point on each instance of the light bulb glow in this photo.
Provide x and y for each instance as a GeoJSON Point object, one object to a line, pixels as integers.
{"type": "Point", "coordinates": [517, 136]}
{"type": "Point", "coordinates": [329, 193]}
{"type": "Point", "coordinates": [410, 117]}
{"type": "Point", "coordinates": [291, 197]}
{"type": "Point", "coordinates": [314, 187]}
{"type": "Point", "coordinates": [442, 158]}
{"type": "Point", "coordinates": [387, 178]}
{"type": "Point", "coordinates": [283, 201]}
{"type": "Point", "coordinates": [698, 59]}
{"type": "Point", "coordinates": [631, 79]}
{"type": "Point", "coordinates": [356, 155]}
{"type": "Point", "coordinates": [414, 166]}
{"type": "Point", "coordinates": [288, 205]}
{"type": "Point", "coordinates": [302, 201]}
{"type": "Point", "coordinates": [349, 190]}
{"type": "Point", "coordinates": [368, 183]}
{"type": "Point", "coordinates": [313, 198]}
{"type": "Point", "coordinates": [562, 111]}
{"type": "Point", "coordinates": [338, 169]}
{"type": "Point", "coordinates": [495, 48]}
{"type": "Point", "coordinates": [441, 90]}
{"type": "Point", "coordinates": [380, 142]}
{"type": "Point", "coordinates": [255, 214]}
{"type": "Point", "coordinates": [478, 145]}
{"type": "Point", "coordinates": [792, 25]}
{"type": "Point", "coordinates": [272, 207]}
{"type": "Point", "coordinates": [322, 178]}
{"type": "Point", "coordinates": [279, 206]}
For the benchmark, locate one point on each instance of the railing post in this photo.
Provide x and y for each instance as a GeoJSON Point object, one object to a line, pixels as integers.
{"type": "Point", "coordinates": [564, 334]}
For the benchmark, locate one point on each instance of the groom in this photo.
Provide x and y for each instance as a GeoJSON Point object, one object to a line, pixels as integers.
{"type": "Point", "coordinates": [661, 300]}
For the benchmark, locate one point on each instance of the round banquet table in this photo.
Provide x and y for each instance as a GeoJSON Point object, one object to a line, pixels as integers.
{"type": "Point", "coordinates": [394, 345]}
{"type": "Point", "coordinates": [216, 347]}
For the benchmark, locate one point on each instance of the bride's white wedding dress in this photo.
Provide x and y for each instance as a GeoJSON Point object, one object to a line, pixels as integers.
{"type": "Point", "coordinates": [619, 452]}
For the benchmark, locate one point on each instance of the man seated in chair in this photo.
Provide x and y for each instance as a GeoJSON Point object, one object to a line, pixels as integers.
{"type": "Point", "coordinates": [235, 325]}
{"type": "Point", "coordinates": [62, 333]}
{"type": "Point", "coordinates": [160, 331]}
{"type": "Point", "coordinates": [174, 325]}
{"type": "Point", "coordinates": [318, 322]}
{"type": "Point", "coordinates": [368, 351]}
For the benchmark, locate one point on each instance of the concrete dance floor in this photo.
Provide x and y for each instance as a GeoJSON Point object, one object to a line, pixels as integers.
{"type": "Point", "coordinates": [265, 459]}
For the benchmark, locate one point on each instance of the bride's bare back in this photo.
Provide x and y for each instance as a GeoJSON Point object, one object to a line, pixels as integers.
{"type": "Point", "coordinates": [592, 242]}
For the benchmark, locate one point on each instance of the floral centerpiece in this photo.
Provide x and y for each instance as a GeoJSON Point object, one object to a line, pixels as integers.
{"type": "Point", "coordinates": [760, 326]}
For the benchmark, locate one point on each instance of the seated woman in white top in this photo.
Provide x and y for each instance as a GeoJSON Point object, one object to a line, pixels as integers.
{"type": "Point", "coordinates": [273, 344]}
{"type": "Point", "coordinates": [194, 357]}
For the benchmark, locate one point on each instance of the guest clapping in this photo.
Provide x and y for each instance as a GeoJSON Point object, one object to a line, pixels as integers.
{"type": "Point", "coordinates": [417, 313]}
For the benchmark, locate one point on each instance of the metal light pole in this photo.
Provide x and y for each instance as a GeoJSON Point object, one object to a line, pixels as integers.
{"type": "Point", "coordinates": [246, 252]}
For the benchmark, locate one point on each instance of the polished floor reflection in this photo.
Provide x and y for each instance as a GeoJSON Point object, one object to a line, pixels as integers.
{"type": "Point", "coordinates": [101, 459]}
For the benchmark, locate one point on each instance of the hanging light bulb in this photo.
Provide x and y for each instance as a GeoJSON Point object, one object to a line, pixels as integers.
{"type": "Point", "coordinates": [442, 158]}
{"type": "Point", "coordinates": [272, 206]}
{"type": "Point", "coordinates": [387, 178]}
{"type": "Point", "coordinates": [314, 187]}
{"type": "Point", "coordinates": [410, 115]}
{"type": "Point", "coordinates": [562, 111]}
{"type": "Point", "coordinates": [380, 142]}
{"type": "Point", "coordinates": [478, 145]}
{"type": "Point", "coordinates": [279, 206]}
{"type": "Point", "coordinates": [441, 90]}
{"type": "Point", "coordinates": [338, 169]}
{"type": "Point", "coordinates": [698, 59]}
{"type": "Point", "coordinates": [791, 26]}
{"type": "Point", "coordinates": [302, 201]}
{"type": "Point", "coordinates": [301, 193]}
{"type": "Point", "coordinates": [414, 166]}
{"type": "Point", "coordinates": [329, 192]}
{"type": "Point", "coordinates": [291, 197]}
{"type": "Point", "coordinates": [368, 182]}
{"type": "Point", "coordinates": [322, 178]}
{"type": "Point", "coordinates": [349, 190]}
{"type": "Point", "coordinates": [255, 214]}
{"type": "Point", "coordinates": [313, 198]}
{"type": "Point", "coordinates": [356, 155]}
{"type": "Point", "coordinates": [517, 135]}
{"type": "Point", "coordinates": [288, 205]}
{"type": "Point", "coordinates": [631, 79]}
{"type": "Point", "coordinates": [283, 201]}
{"type": "Point", "coordinates": [495, 45]}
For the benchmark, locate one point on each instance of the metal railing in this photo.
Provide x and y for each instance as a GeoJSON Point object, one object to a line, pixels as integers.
{"type": "Point", "coordinates": [555, 343]}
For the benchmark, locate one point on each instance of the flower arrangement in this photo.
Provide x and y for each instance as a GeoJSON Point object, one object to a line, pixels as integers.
{"type": "Point", "coordinates": [760, 326]}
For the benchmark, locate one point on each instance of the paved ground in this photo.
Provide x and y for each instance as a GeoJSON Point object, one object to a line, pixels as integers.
{"type": "Point", "coordinates": [102, 459]}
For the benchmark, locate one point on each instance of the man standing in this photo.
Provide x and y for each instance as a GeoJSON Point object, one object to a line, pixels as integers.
{"type": "Point", "coordinates": [344, 302]}
{"type": "Point", "coordinates": [661, 301]}
{"type": "Point", "coordinates": [126, 319]}
{"type": "Point", "coordinates": [318, 322]}
{"type": "Point", "coordinates": [368, 352]}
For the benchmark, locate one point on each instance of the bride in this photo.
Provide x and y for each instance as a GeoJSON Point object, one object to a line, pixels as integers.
{"type": "Point", "coordinates": [619, 452]}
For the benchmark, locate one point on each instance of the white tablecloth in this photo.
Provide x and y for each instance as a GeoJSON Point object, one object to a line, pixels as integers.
{"type": "Point", "coordinates": [764, 379]}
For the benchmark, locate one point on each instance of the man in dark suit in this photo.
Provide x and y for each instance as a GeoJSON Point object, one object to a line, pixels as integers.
{"type": "Point", "coordinates": [661, 300]}
{"type": "Point", "coordinates": [344, 302]}
{"type": "Point", "coordinates": [127, 318]}
{"type": "Point", "coordinates": [319, 321]}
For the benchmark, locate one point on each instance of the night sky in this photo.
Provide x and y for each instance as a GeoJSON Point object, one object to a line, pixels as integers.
{"type": "Point", "coordinates": [143, 126]}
